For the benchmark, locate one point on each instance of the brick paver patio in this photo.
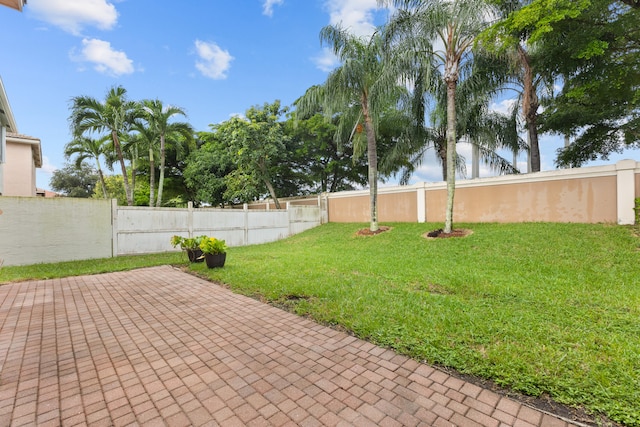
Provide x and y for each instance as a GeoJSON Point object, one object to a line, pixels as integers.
{"type": "Point", "coordinates": [157, 346]}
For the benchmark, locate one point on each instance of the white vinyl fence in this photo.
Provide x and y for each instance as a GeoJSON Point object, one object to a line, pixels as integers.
{"type": "Point", "coordinates": [36, 230]}
{"type": "Point", "coordinates": [149, 230]}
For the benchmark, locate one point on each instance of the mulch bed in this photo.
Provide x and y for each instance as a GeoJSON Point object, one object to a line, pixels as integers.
{"type": "Point", "coordinates": [367, 232]}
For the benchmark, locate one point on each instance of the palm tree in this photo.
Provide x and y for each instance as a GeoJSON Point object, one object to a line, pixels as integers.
{"type": "Point", "coordinates": [115, 116]}
{"type": "Point", "coordinates": [500, 39]}
{"type": "Point", "coordinates": [454, 25]}
{"type": "Point", "coordinates": [485, 130]}
{"type": "Point", "coordinates": [158, 116]}
{"type": "Point", "coordinates": [87, 148]}
{"type": "Point", "coordinates": [147, 139]}
{"type": "Point", "coordinates": [360, 89]}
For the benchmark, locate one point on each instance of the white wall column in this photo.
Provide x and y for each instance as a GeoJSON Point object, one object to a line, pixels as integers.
{"type": "Point", "coordinates": [475, 161]}
{"type": "Point", "coordinates": [422, 203]}
{"type": "Point", "coordinates": [626, 191]}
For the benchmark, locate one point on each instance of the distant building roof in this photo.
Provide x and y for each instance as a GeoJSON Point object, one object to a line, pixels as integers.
{"type": "Point", "coordinates": [14, 4]}
{"type": "Point", "coordinates": [41, 192]}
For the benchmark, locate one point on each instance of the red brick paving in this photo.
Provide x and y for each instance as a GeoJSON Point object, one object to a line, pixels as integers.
{"type": "Point", "coordinates": [160, 347]}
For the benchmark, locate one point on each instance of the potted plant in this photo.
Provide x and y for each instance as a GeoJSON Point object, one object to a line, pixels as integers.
{"type": "Point", "coordinates": [214, 250]}
{"type": "Point", "coordinates": [191, 245]}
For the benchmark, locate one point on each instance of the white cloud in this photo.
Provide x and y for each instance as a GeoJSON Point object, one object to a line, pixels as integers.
{"type": "Point", "coordinates": [47, 167]}
{"type": "Point", "coordinates": [214, 62]}
{"type": "Point", "coordinates": [326, 60]}
{"type": "Point", "coordinates": [267, 7]}
{"type": "Point", "coordinates": [355, 15]}
{"type": "Point", "coordinates": [504, 107]}
{"type": "Point", "coordinates": [72, 15]}
{"type": "Point", "coordinates": [104, 58]}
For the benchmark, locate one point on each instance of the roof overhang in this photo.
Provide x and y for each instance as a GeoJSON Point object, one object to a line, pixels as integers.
{"type": "Point", "coordinates": [36, 146]}
{"type": "Point", "coordinates": [6, 115]}
{"type": "Point", "coordinates": [14, 4]}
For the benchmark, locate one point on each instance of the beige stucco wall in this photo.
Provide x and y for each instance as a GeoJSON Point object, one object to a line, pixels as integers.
{"type": "Point", "coordinates": [587, 200]}
{"type": "Point", "coordinates": [349, 209]}
{"type": "Point", "coordinates": [19, 170]}
{"type": "Point", "coordinates": [392, 207]}
{"type": "Point", "coordinates": [398, 207]}
{"type": "Point", "coordinates": [597, 194]}
{"type": "Point", "coordinates": [638, 185]}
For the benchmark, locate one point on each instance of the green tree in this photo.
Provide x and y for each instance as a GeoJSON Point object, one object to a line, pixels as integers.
{"type": "Point", "coordinates": [361, 88]}
{"type": "Point", "coordinates": [206, 169]}
{"type": "Point", "coordinates": [597, 53]}
{"type": "Point", "coordinates": [115, 116]}
{"type": "Point", "coordinates": [328, 166]}
{"type": "Point", "coordinates": [159, 118]}
{"type": "Point", "coordinates": [74, 180]}
{"type": "Point", "coordinates": [257, 143]}
{"type": "Point", "coordinates": [87, 148]}
{"type": "Point", "coordinates": [114, 186]}
{"type": "Point", "coordinates": [592, 47]}
{"type": "Point", "coordinates": [454, 26]}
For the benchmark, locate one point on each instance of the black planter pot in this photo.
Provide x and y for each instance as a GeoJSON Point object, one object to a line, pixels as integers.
{"type": "Point", "coordinates": [195, 255]}
{"type": "Point", "coordinates": [215, 260]}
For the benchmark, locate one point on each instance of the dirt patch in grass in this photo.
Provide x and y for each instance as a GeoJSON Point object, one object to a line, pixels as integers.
{"type": "Point", "coordinates": [368, 232]}
{"type": "Point", "coordinates": [440, 234]}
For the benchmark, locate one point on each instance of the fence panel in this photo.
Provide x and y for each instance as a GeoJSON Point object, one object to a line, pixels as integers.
{"type": "Point", "coordinates": [148, 230]}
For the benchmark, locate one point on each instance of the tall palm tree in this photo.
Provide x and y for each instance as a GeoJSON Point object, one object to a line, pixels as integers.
{"type": "Point", "coordinates": [158, 116]}
{"type": "Point", "coordinates": [88, 148]}
{"type": "Point", "coordinates": [444, 33]}
{"type": "Point", "coordinates": [360, 89]}
{"type": "Point", "coordinates": [520, 55]}
{"type": "Point", "coordinates": [147, 139]}
{"type": "Point", "coordinates": [115, 115]}
{"type": "Point", "coordinates": [485, 130]}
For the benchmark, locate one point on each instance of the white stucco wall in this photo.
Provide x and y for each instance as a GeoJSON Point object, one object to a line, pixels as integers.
{"type": "Point", "coordinates": [36, 230]}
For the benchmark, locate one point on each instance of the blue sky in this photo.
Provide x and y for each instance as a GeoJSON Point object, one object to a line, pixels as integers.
{"type": "Point", "coordinates": [213, 58]}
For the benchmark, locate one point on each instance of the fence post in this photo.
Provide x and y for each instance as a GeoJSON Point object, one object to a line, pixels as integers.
{"type": "Point", "coordinates": [324, 209]}
{"type": "Point", "coordinates": [289, 219]}
{"type": "Point", "coordinates": [626, 191]}
{"type": "Point", "coordinates": [422, 203]}
{"type": "Point", "coordinates": [190, 218]}
{"type": "Point", "coordinates": [245, 208]}
{"type": "Point", "coordinates": [114, 228]}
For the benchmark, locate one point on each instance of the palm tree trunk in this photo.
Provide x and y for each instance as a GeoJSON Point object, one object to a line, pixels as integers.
{"type": "Point", "coordinates": [152, 178]}
{"type": "Point", "coordinates": [442, 154]}
{"type": "Point", "coordinates": [372, 160]}
{"type": "Point", "coordinates": [101, 175]}
{"type": "Point", "coordinates": [451, 152]}
{"type": "Point", "coordinates": [161, 179]}
{"type": "Point", "coordinates": [530, 106]}
{"type": "Point", "coordinates": [133, 177]}
{"type": "Point", "coordinates": [125, 177]}
{"type": "Point", "coordinates": [534, 146]}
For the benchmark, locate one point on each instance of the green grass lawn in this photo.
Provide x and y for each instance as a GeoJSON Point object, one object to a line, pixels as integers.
{"type": "Point", "coordinates": [541, 308]}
